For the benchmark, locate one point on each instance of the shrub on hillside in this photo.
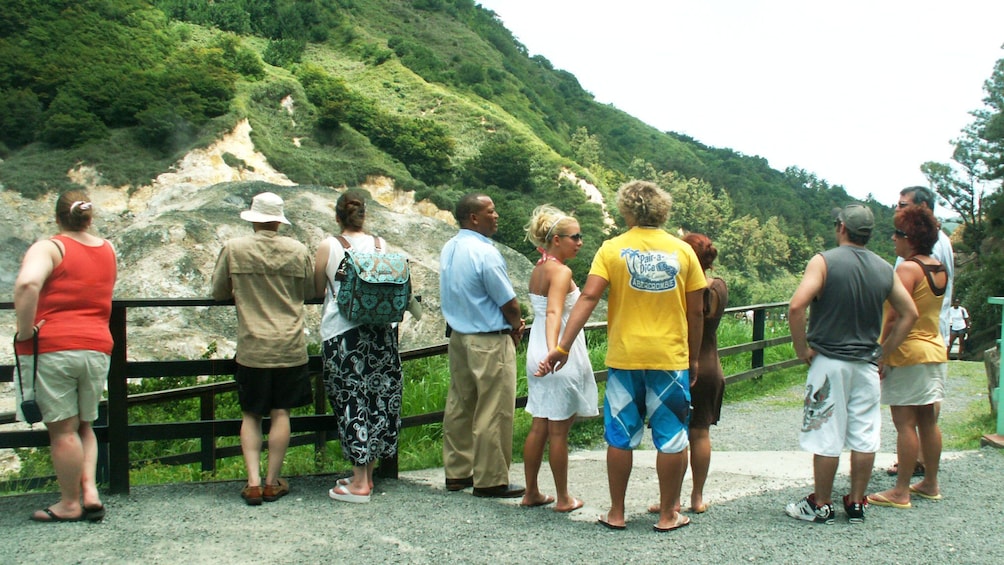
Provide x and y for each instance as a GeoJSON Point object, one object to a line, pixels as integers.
{"type": "Point", "coordinates": [20, 116]}
{"type": "Point", "coordinates": [284, 52]}
{"type": "Point", "coordinates": [238, 58]}
{"type": "Point", "coordinates": [504, 162]}
{"type": "Point", "coordinates": [162, 128]}
{"type": "Point", "coordinates": [69, 122]}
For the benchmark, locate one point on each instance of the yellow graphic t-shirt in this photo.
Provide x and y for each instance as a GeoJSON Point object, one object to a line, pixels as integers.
{"type": "Point", "coordinates": [650, 273]}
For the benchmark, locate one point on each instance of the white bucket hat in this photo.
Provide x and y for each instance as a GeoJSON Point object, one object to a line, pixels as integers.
{"type": "Point", "coordinates": [265, 207]}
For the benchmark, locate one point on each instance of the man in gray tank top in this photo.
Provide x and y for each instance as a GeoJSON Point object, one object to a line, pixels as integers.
{"type": "Point", "coordinates": [846, 288]}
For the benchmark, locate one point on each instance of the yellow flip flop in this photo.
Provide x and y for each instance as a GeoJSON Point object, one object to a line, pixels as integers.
{"type": "Point", "coordinates": [881, 500]}
{"type": "Point", "coordinates": [923, 494]}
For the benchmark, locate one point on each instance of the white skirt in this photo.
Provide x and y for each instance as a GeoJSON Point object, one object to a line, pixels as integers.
{"type": "Point", "coordinates": [914, 385]}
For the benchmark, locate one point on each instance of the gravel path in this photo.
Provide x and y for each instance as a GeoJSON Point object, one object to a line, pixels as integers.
{"type": "Point", "coordinates": [413, 520]}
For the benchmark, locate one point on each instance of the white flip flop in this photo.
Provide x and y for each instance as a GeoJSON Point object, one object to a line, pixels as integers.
{"type": "Point", "coordinates": [342, 494]}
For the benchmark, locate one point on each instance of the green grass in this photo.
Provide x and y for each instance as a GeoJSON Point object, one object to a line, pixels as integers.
{"type": "Point", "coordinates": [962, 427]}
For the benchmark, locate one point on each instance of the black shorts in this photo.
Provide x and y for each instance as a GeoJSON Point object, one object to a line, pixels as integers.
{"type": "Point", "coordinates": [262, 390]}
{"type": "Point", "coordinates": [959, 333]}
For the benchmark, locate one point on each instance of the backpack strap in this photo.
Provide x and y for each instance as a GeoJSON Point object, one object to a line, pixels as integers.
{"type": "Point", "coordinates": [345, 243]}
{"type": "Point", "coordinates": [376, 244]}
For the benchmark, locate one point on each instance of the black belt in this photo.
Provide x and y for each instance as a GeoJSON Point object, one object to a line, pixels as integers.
{"type": "Point", "coordinates": [495, 332]}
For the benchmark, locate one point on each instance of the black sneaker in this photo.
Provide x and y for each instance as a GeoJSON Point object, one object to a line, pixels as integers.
{"type": "Point", "coordinates": [807, 509]}
{"type": "Point", "coordinates": [855, 511]}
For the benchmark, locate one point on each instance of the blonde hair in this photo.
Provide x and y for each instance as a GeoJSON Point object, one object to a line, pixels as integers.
{"type": "Point", "coordinates": [544, 224]}
{"type": "Point", "coordinates": [643, 203]}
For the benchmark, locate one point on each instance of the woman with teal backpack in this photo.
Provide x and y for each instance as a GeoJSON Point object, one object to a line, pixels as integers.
{"type": "Point", "coordinates": [362, 365]}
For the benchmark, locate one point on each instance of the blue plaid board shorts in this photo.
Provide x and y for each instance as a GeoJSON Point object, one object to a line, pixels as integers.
{"type": "Point", "coordinates": [661, 396]}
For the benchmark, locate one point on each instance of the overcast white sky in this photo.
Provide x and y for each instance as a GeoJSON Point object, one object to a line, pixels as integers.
{"type": "Point", "coordinates": [859, 92]}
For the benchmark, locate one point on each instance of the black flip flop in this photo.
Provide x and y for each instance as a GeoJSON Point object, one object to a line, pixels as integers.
{"type": "Point", "coordinates": [94, 513]}
{"type": "Point", "coordinates": [603, 522]}
{"type": "Point", "coordinates": [53, 517]}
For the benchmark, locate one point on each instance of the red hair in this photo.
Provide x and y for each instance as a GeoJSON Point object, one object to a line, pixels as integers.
{"type": "Point", "coordinates": [705, 250]}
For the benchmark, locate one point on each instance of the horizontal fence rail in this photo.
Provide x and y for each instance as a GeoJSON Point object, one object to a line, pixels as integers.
{"type": "Point", "coordinates": [115, 433]}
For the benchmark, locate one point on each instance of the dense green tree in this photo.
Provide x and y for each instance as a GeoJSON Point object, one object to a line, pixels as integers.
{"type": "Point", "coordinates": [586, 147]}
{"type": "Point", "coordinates": [69, 122]}
{"type": "Point", "coordinates": [503, 161]}
{"type": "Point", "coordinates": [20, 116]}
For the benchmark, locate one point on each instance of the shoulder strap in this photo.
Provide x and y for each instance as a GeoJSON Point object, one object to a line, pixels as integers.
{"type": "Point", "coordinates": [929, 270]}
{"type": "Point", "coordinates": [34, 368]}
{"type": "Point", "coordinates": [58, 246]}
{"type": "Point", "coordinates": [376, 243]}
{"type": "Point", "coordinates": [345, 243]}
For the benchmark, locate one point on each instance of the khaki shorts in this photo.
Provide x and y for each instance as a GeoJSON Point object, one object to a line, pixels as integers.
{"type": "Point", "coordinates": [68, 384]}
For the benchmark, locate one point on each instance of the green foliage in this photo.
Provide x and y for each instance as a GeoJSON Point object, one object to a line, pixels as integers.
{"type": "Point", "coordinates": [160, 127]}
{"type": "Point", "coordinates": [238, 58]}
{"type": "Point", "coordinates": [274, 19]}
{"type": "Point", "coordinates": [133, 64]}
{"type": "Point", "coordinates": [585, 147]}
{"type": "Point", "coordinates": [284, 52]}
{"type": "Point", "coordinates": [504, 161]}
{"type": "Point", "coordinates": [20, 116]}
{"type": "Point", "coordinates": [69, 122]}
{"type": "Point", "coordinates": [423, 146]}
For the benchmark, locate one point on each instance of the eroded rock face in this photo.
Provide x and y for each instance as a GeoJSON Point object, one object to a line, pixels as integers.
{"type": "Point", "coordinates": [168, 235]}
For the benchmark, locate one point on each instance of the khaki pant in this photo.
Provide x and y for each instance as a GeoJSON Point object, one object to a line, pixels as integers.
{"type": "Point", "coordinates": [477, 424]}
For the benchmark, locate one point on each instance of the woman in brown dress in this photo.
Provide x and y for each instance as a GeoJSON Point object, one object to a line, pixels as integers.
{"type": "Point", "coordinates": [706, 393]}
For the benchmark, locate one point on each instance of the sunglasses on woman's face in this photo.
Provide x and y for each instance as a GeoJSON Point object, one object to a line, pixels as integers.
{"type": "Point", "coordinates": [573, 237]}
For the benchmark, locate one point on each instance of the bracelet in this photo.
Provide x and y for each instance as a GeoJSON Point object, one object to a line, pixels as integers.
{"type": "Point", "coordinates": [561, 349]}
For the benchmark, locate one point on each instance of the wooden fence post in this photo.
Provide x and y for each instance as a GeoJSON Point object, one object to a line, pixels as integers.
{"type": "Point", "coordinates": [118, 407]}
{"type": "Point", "coordinates": [759, 333]}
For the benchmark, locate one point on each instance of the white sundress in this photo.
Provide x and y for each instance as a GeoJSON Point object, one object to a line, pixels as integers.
{"type": "Point", "coordinates": [570, 391]}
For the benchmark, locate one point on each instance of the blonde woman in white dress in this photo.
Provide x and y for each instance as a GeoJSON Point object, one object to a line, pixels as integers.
{"type": "Point", "coordinates": [555, 399]}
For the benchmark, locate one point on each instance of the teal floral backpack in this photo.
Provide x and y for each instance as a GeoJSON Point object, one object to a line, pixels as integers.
{"type": "Point", "coordinates": [375, 287]}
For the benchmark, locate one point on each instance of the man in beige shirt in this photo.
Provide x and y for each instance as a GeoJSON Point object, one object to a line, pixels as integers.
{"type": "Point", "coordinates": [268, 276]}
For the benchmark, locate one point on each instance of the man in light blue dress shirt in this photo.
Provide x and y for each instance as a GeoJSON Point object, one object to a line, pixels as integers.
{"type": "Point", "coordinates": [484, 325]}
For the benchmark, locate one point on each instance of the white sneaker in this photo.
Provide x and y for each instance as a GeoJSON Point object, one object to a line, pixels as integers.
{"type": "Point", "coordinates": [807, 509]}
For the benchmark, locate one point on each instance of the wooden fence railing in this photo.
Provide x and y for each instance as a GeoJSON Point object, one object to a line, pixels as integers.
{"type": "Point", "coordinates": [115, 433]}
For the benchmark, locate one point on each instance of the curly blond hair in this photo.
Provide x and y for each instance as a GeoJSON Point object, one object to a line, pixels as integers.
{"type": "Point", "coordinates": [643, 203]}
{"type": "Point", "coordinates": [545, 222]}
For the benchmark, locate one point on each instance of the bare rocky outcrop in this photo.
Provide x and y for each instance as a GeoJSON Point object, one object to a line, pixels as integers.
{"type": "Point", "coordinates": [169, 233]}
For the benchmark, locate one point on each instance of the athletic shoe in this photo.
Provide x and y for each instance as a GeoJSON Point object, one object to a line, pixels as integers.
{"type": "Point", "coordinates": [807, 509]}
{"type": "Point", "coordinates": [855, 511]}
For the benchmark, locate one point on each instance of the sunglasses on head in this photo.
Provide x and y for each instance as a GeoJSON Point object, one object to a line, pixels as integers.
{"type": "Point", "coordinates": [573, 237]}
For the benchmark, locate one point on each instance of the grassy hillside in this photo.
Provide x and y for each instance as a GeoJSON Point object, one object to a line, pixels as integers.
{"type": "Point", "coordinates": [436, 94]}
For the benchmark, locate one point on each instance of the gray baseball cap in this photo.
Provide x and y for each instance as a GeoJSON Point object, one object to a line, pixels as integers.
{"type": "Point", "coordinates": [857, 218]}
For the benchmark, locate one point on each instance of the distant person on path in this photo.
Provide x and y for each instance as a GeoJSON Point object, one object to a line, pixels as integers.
{"type": "Point", "coordinates": [268, 276]}
{"type": "Point", "coordinates": [654, 328]}
{"type": "Point", "coordinates": [63, 300]}
{"type": "Point", "coordinates": [913, 377]}
{"type": "Point", "coordinates": [959, 324]}
{"type": "Point", "coordinates": [362, 365]}
{"type": "Point", "coordinates": [554, 400]}
{"type": "Point", "coordinates": [846, 287]}
{"type": "Point", "coordinates": [484, 325]}
{"type": "Point", "coordinates": [944, 254]}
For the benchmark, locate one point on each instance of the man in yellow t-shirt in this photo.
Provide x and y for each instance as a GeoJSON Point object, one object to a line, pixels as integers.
{"type": "Point", "coordinates": [654, 327]}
